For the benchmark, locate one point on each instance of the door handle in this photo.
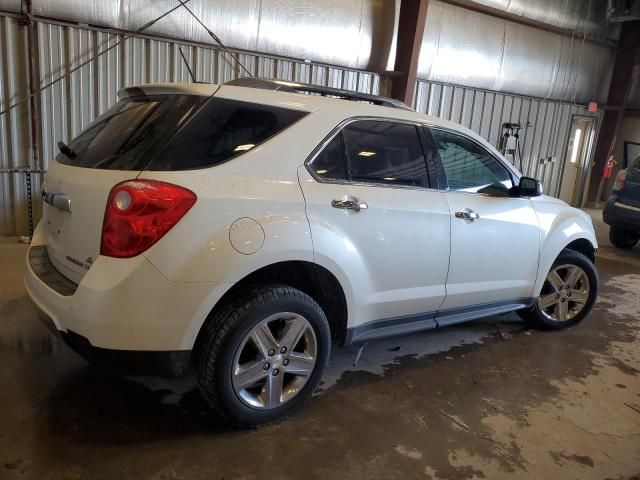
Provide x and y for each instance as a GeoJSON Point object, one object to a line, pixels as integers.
{"type": "Point", "coordinates": [350, 203]}
{"type": "Point", "coordinates": [59, 200]}
{"type": "Point", "coordinates": [467, 214]}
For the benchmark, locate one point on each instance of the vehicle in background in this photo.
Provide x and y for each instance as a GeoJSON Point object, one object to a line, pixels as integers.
{"type": "Point", "coordinates": [622, 211]}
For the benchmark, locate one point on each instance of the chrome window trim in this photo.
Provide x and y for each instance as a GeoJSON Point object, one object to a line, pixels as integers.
{"type": "Point", "coordinates": [336, 130]}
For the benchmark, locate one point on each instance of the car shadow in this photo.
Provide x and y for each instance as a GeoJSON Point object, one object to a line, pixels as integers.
{"type": "Point", "coordinates": [95, 406]}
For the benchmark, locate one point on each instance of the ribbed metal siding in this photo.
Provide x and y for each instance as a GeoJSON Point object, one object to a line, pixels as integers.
{"type": "Point", "coordinates": [15, 149]}
{"type": "Point", "coordinates": [546, 123]}
{"type": "Point", "coordinates": [70, 105]}
{"type": "Point", "coordinates": [73, 103]}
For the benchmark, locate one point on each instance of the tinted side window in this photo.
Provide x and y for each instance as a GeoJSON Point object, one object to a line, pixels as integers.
{"type": "Point", "coordinates": [469, 167]}
{"type": "Point", "coordinates": [385, 152]}
{"type": "Point", "coordinates": [125, 137]}
{"type": "Point", "coordinates": [221, 130]}
{"type": "Point", "coordinates": [330, 162]}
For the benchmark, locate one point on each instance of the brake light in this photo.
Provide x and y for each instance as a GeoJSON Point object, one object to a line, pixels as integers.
{"type": "Point", "coordinates": [139, 213]}
{"type": "Point", "coordinates": [620, 178]}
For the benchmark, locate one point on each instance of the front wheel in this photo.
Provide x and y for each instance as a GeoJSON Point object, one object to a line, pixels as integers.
{"type": "Point", "coordinates": [262, 354]}
{"type": "Point", "coordinates": [623, 238]}
{"type": "Point", "coordinates": [567, 295]}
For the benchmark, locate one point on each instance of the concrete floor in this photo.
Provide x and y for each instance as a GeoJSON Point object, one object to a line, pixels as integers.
{"type": "Point", "coordinates": [488, 399]}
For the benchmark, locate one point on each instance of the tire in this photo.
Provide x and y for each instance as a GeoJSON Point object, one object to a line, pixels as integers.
{"type": "Point", "coordinates": [550, 316]}
{"type": "Point", "coordinates": [623, 238]}
{"type": "Point", "coordinates": [234, 344]}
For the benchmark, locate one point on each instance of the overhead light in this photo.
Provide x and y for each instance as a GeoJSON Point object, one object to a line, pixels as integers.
{"type": "Point", "coordinates": [364, 153]}
{"type": "Point", "coordinates": [245, 147]}
{"type": "Point", "coordinates": [390, 179]}
{"type": "Point", "coordinates": [322, 171]}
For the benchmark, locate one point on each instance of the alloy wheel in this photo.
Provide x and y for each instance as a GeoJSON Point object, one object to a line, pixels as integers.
{"type": "Point", "coordinates": [564, 293]}
{"type": "Point", "coordinates": [274, 360]}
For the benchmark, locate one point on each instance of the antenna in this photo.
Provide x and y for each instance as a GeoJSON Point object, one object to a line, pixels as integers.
{"type": "Point", "coordinates": [186, 64]}
{"type": "Point", "coordinates": [215, 37]}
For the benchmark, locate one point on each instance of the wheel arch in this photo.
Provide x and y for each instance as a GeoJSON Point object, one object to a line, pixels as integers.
{"type": "Point", "coordinates": [584, 246]}
{"type": "Point", "coordinates": [313, 279]}
{"type": "Point", "coordinates": [582, 241]}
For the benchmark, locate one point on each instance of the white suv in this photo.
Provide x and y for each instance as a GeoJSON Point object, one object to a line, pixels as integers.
{"type": "Point", "coordinates": [241, 228]}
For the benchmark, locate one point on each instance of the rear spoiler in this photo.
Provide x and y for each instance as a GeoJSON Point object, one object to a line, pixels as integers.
{"type": "Point", "coordinates": [202, 89]}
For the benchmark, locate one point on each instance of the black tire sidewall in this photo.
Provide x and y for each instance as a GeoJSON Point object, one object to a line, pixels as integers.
{"type": "Point", "coordinates": [302, 305]}
{"type": "Point", "coordinates": [565, 258]}
{"type": "Point", "coordinates": [623, 238]}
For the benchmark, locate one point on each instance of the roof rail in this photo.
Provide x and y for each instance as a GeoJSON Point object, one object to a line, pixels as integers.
{"type": "Point", "coordinates": [293, 87]}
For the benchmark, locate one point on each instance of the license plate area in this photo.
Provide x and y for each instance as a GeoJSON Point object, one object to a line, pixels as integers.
{"type": "Point", "coordinates": [54, 227]}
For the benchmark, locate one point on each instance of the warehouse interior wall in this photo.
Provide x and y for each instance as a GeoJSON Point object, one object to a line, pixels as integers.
{"type": "Point", "coordinates": [540, 89]}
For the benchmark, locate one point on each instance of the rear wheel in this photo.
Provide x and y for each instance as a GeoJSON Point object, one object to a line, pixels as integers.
{"type": "Point", "coordinates": [623, 238]}
{"type": "Point", "coordinates": [262, 354]}
{"type": "Point", "coordinates": [567, 295]}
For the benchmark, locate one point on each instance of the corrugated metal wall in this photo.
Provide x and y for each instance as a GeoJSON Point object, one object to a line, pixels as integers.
{"type": "Point", "coordinates": [14, 128]}
{"type": "Point", "coordinates": [460, 45]}
{"type": "Point", "coordinates": [71, 104]}
{"type": "Point", "coordinates": [546, 123]}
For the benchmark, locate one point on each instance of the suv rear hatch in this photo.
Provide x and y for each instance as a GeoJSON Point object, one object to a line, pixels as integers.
{"type": "Point", "coordinates": [114, 148]}
{"type": "Point", "coordinates": [171, 129]}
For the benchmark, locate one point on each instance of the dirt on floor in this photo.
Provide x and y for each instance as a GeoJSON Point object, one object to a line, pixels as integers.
{"type": "Point", "coordinates": [489, 399]}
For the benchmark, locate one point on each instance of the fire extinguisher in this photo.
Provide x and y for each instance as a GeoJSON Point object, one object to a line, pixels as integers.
{"type": "Point", "coordinates": [608, 168]}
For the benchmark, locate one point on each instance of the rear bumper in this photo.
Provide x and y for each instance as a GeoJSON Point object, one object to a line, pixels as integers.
{"type": "Point", "coordinates": [126, 305]}
{"type": "Point", "coordinates": [618, 215]}
{"type": "Point", "coordinates": [128, 362]}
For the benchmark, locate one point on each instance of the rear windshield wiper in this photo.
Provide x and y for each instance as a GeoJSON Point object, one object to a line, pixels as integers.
{"type": "Point", "coordinates": [66, 150]}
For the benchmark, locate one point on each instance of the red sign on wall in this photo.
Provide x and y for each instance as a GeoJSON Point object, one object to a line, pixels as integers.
{"type": "Point", "coordinates": [592, 107]}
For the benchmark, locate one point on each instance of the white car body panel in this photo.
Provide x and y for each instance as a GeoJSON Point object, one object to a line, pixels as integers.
{"type": "Point", "coordinates": [74, 237]}
{"type": "Point", "coordinates": [124, 304]}
{"type": "Point", "coordinates": [395, 254]}
{"type": "Point", "coordinates": [559, 225]}
{"type": "Point", "coordinates": [494, 258]}
{"type": "Point", "coordinates": [406, 255]}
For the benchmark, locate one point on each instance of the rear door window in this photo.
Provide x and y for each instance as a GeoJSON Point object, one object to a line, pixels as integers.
{"type": "Point", "coordinates": [221, 130]}
{"type": "Point", "coordinates": [330, 163]}
{"type": "Point", "coordinates": [385, 152]}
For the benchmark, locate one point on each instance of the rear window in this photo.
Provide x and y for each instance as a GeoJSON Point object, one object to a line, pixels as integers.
{"type": "Point", "coordinates": [221, 130]}
{"type": "Point", "coordinates": [129, 133]}
{"type": "Point", "coordinates": [175, 132]}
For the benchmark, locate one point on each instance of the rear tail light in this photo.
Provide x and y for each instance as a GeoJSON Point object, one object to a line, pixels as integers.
{"type": "Point", "coordinates": [620, 178]}
{"type": "Point", "coordinates": [139, 213]}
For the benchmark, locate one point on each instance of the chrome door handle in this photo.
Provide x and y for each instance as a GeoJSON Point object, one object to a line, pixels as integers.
{"type": "Point", "coordinates": [59, 200]}
{"type": "Point", "coordinates": [350, 203]}
{"type": "Point", "coordinates": [467, 214]}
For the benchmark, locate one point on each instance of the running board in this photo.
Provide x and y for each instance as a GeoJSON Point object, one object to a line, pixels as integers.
{"type": "Point", "coordinates": [426, 321]}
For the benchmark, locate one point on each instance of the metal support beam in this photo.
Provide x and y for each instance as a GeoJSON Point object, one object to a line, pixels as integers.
{"type": "Point", "coordinates": [413, 16]}
{"type": "Point", "coordinates": [34, 103]}
{"type": "Point", "coordinates": [35, 113]}
{"type": "Point", "coordinates": [627, 56]}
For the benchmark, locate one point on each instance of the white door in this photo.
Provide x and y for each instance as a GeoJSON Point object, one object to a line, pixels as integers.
{"type": "Point", "coordinates": [576, 161]}
{"type": "Point", "coordinates": [395, 251]}
{"type": "Point", "coordinates": [494, 237]}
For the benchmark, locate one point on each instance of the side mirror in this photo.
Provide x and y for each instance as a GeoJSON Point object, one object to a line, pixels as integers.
{"type": "Point", "coordinates": [529, 187]}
